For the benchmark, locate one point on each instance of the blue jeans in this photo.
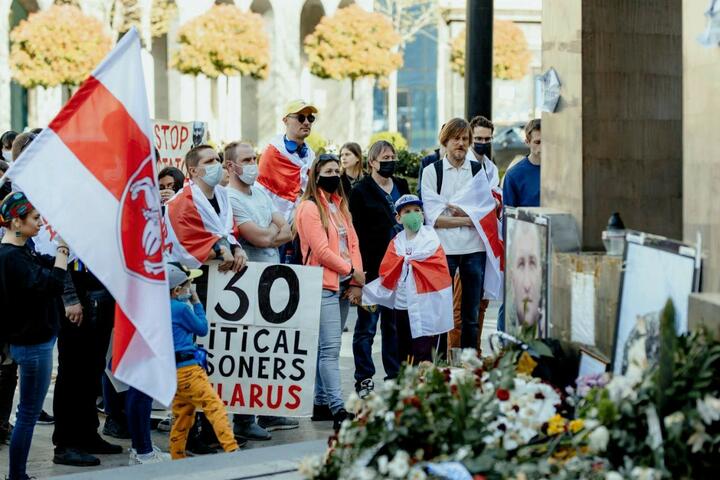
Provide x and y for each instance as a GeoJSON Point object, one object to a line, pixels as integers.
{"type": "Point", "coordinates": [363, 337]}
{"type": "Point", "coordinates": [472, 278]}
{"type": "Point", "coordinates": [138, 407]}
{"type": "Point", "coordinates": [35, 366]}
{"type": "Point", "coordinates": [501, 318]}
{"type": "Point", "coordinates": [114, 402]}
{"type": "Point", "coordinates": [328, 389]}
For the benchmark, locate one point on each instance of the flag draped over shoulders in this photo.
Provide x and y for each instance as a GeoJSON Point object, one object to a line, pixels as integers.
{"type": "Point", "coordinates": [429, 286]}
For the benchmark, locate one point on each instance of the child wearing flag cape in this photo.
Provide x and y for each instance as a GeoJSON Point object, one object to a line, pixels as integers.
{"type": "Point", "coordinates": [415, 282]}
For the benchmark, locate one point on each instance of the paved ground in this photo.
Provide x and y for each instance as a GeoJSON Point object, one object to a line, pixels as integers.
{"type": "Point", "coordinates": [40, 462]}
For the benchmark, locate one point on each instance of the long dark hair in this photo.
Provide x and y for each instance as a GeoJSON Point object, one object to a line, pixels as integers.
{"type": "Point", "coordinates": [312, 193]}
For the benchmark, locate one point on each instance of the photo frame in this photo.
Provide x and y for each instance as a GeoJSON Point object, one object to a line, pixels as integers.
{"type": "Point", "coordinates": [655, 269]}
{"type": "Point", "coordinates": [527, 267]}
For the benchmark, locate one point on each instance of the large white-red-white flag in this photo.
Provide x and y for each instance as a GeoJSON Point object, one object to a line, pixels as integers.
{"type": "Point", "coordinates": [92, 175]}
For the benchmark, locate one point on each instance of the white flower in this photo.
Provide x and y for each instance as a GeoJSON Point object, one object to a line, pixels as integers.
{"type": "Point", "coordinates": [622, 387]}
{"type": "Point", "coordinates": [598, 439]}
{"type": "Point", "coordinates": [310, 467]}
{"type": "Point", "coordinates": [382, 463]}
{"type": "Point", "coordinates": [673, 419]}
{"type": "Point", "coordinates": [399, 466]}
{"type": "Point", "coordinates": [365, 473]}
{"type": "Point", "coordinates": [698, 439]}
{"type": "Point", "coordinates": [416, 474]}
{"type": "Point", "coordinates": [709, 409]}
{"type": "Point", "coordinates": [461, 376]}
{"type": "Point", "coordinates": [462, 453]}
{"type": "Point", "coordinates": [375, 404]}
{"type": "Point", "coordinates": [353, 403]}
{"type": "Point", "coordinates": [613, 476]}
{"type": "Point", "coordinates": [389, 384]}
{"type": "Point", "coordinates": [470, 359]}
{"type": "Point", "coordinates": [644, 473]}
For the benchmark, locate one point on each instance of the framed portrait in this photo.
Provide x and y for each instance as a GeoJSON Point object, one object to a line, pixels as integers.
{"type": "Point", "coordinates": [655, 269]}
{"type": "Point", "coordinates": [527, 259]}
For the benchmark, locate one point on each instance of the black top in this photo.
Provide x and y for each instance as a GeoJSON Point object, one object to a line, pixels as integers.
{"type": "Point", "coordinates": [30, 289]}
{"type": "Point", "coordinates": [215, 204]}
{"type": "Point", "coordinates": [374, 220]}
{"type": "Point", "coordinates": [348, 183]}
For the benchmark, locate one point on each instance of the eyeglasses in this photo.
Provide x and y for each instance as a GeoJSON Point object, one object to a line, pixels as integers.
{"type": "Point", "coordinates": [301, 117]}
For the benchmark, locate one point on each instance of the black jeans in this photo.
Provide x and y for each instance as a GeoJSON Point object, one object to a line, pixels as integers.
{"type": "Point", "coordinates": [472, 276]}
{"type": "Point", "coordinates": [8, 382]}
{"type": "Point", "coordinates": [363, 337]}
{"type": "Point", "coordinates": [81, 363]}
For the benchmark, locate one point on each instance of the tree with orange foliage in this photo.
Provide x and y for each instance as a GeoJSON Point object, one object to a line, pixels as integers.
{"type": "Point", "coordinates": [57, 46]}
{"type": "Point", "coordinates": [511, 56]}
{"type": "Point", "coordinates": [223, 41]}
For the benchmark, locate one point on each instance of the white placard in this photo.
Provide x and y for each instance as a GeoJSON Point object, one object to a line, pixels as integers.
{"type": "Point", "coordinates": [582, 308]}
{"type": "Point", "coordinates": [263, 337]}
{"type": "Point", "coordinates": [174, 139]}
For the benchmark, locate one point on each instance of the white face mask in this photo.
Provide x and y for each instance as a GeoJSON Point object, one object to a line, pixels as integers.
{"type": "Point", "coordinates": [7, 155]}
{"type": "Point", "coordinates": [213, 174]}
{"type": "Point", "coordinates": [249, 175]}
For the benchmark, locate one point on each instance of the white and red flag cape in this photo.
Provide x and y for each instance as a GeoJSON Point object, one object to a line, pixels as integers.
{"type": "Point", "coordinates": [92, 175]}
{"type": "Point", "coordinates": [284, 175]}
{"type": "Point", "coordinates": [193, 225]}
{"type": "Point", "coordinates": [478, 198]}
{"type": "Point", "coordinates": [429, 286]}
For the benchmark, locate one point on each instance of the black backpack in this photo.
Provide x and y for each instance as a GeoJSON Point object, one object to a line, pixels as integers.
{"type": "Point", "coordinates": [475, 167]}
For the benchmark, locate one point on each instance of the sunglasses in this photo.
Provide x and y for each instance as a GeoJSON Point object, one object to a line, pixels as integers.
{"type": "Point", "coordinates": [301, 117]}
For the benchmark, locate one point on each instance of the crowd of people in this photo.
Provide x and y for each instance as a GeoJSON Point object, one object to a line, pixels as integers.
{"type": "Point", "coordinates": [352, 216]}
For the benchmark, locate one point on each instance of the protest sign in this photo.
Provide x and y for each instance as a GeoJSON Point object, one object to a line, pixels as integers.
{"type": "Point", "coordinates": [174, 139]}
{"type": "Point", "coordinates": [263, 338]}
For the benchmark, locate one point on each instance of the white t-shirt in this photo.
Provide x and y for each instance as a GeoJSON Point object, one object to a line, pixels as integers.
{"type": "Point", "coordinates": [257, 208]}
{"type": "Point", "coordinates": [458, 240]}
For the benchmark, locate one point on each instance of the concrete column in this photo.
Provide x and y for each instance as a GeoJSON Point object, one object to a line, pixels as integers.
{"type": "Point", "coordinates": [701, 142]}
{"type": "Point", "coordinates": [5, 105]}
{"type": "Point", "coordinates": [181, 88]}
{"type": "Point", "coordinates": [615, 143]}
{"type": "Point", "coordinates": [43, 103]}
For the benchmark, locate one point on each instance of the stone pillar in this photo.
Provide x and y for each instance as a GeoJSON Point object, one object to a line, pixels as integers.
{"type": "Point", "coordinates": [701, 142]}
{"type": "Point", "coordinates": [5, 105]}
{"type": "Point", "coordinates": [615, 141]}
{"type": "Point", "coordinates": [181, 88]}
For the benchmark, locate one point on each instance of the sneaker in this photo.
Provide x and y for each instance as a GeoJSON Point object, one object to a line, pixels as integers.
{"type": "Point", "coordinates": [74, 458]}
{"type": "Point", "coordinates": [340, 417]}
{"type": "Point", "coordinates": [251, 431]}
{"type": "Point", "coordinates": [100, 446]}
{"type": "Point", "coordinates": [112, 428]}
{"type": "Point", "coordinates": [156, 456]}
{"type": "Point", "coordinates": [365, 387]}
{"type": "Point", "coordinates": [277, 423]}
{"type": "Point", "coordinates": [196, 447]}
{"type": "Point", "coordinates": [45, 418]}
{"type": "Point", "coordinates": [321, 413]}
{"type": "Point", "coordinates": [166, 424]}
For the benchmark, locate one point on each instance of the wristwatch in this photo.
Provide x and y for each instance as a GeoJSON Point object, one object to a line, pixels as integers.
{"type": "Point", "coordinates": [218, 251]}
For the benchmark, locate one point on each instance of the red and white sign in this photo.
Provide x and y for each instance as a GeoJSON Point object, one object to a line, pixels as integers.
{"type": "Point", "coordinates": [263, 339]}
{"type": "Point", "coordinates": [174, 139]}
{"type": "Point", "coordinates": [92, 175]}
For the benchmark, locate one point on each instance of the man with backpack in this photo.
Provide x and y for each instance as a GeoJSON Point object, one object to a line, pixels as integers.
{"type": "Point", "coordinates": [459, 237]}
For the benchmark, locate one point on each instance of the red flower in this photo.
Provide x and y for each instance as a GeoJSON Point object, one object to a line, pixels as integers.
{"type": "Point", "coordinates": [502, 394]}
{"type": "Point", "coordinates": [477, 476]}
{"type": "Point", "coordinates": [454, 389]}
{"type": "Point", "coordinates": [446, 372]}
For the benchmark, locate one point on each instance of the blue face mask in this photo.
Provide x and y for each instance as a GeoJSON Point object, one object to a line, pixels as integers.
{"type": "Point", "coordinates": [184, 297]}
{"type": "Point", "coordinates": [213, 174]}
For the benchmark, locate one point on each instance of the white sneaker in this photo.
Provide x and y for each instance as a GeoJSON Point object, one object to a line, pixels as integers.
{"type": "Point", "coordinates": [166, 424]}
{"type": "Point", "coordinates": [156, 456]}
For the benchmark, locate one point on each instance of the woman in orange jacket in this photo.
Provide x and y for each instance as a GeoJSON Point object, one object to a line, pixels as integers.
{"type": "Point", "coordinates": [328, 240]}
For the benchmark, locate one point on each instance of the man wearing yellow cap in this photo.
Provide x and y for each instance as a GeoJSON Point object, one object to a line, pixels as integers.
{"type": "Point", "coordinates": [285, 162]}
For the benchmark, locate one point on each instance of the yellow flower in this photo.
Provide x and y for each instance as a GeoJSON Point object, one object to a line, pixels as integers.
{"type": "Point", "coordinates": [526, 365]}
{"type": "Point", "coordinates": [556, 425]}
{"type": "Point", "coordinates": [576, 425]}
{"type": "Point", "coordinates": [563, 454]}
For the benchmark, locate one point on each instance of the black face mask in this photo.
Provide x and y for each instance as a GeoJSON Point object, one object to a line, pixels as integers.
{"type": "Point", "coordinates": [387, 169]}
{"type": "Point", "coordinates": [483, 149]}
{"type": "Point", "coordinates": [329, 184]}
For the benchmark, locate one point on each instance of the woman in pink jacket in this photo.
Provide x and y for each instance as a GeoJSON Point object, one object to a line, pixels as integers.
{"type": "Point", "coordinates": [328, 240]}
